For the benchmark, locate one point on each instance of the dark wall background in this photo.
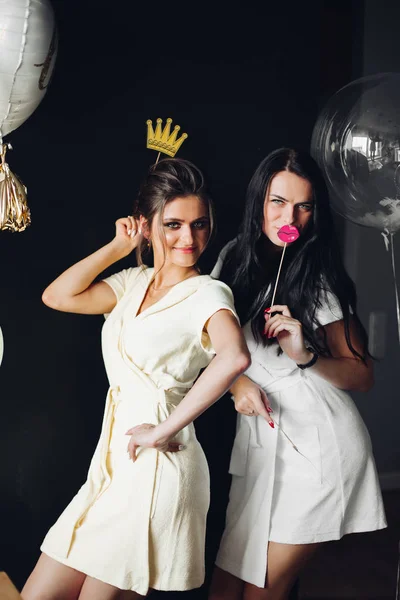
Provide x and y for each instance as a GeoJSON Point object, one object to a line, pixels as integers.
{"type": "Point", "coordinates": [241, 78]}
{"type": "Point", "coordinates": [369, 265]}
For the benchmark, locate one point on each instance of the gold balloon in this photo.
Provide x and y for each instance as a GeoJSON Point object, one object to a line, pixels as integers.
{"type": "Point", "coordinates": [14, 212]}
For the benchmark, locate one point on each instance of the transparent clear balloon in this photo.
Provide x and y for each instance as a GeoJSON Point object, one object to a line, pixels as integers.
{"type": "Point", "coordinates": [356, 141]}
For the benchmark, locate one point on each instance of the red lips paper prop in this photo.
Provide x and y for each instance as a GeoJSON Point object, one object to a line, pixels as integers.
{"type": "Point", "coordinates": [288, 234]}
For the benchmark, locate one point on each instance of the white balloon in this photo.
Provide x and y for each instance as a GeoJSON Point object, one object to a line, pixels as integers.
{"type": "Point", "coordinates": [28, 48]}
{"type": "Point", "coordinates": [1, 346]}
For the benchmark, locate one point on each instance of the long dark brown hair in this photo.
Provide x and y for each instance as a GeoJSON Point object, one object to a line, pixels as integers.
{"type": "Point", "coordinates": [312, 265]}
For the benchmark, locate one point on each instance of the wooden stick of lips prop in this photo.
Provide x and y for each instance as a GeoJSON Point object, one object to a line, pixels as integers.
{"type": "Point", "coordinates": [287, 234]}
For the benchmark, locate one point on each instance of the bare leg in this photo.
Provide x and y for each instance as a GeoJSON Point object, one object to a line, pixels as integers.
{"type": "Point", "coordinates": [225, 586]}
{"type": "Point", "coordinates": [93, 589]}
{"type": "Point", "coordinates": [50, 580]}
{"type": "Point", "coordinates": [285, 562]}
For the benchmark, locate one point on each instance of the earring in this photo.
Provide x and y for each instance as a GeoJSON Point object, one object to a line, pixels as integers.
{"type": "Point", "coordinates": [148, 244]}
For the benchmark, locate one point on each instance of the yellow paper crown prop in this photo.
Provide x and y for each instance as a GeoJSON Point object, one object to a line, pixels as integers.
{"type": "Point", "coordinates": [163, 140]}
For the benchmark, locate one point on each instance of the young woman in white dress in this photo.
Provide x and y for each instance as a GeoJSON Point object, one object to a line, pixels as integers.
{"type": "Point", "coordinates": [304, 473]}
{"type": "Point", "coordinates": [138, 522]}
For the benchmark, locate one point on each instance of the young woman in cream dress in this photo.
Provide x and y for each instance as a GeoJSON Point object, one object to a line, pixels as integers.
{"type": "Point", "coordinates": [306, 351]}
{"type": "Point", "coordinates": [138, 522]}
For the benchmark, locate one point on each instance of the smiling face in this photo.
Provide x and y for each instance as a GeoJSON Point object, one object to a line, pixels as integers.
{"type": "Point", "coordinates": [180, 235]}
{"type": "Point", "coordinates": [288, 201]}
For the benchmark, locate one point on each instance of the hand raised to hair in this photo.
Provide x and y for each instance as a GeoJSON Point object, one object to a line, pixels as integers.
{"type": "Point", "coordinates": [127, 234]}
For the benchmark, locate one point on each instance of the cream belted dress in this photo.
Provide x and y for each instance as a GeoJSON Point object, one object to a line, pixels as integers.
{"type": "Point", "coordinates": [325, 489]}
{"type": "Point", "coordinates": [142, 525]}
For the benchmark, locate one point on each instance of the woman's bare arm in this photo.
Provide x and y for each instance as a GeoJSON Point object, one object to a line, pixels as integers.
{"type": "Point", "coordinates": [232, 358]}
{"type": "Point", "coordinates": [74, 291]}
{"type": "Point", "coordinates": [343, 369]}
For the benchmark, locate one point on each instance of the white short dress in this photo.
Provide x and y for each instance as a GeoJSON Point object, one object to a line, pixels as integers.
{"type": "Point", "coordinates": [142, 525]}
{"type": "Point", "coordinates": [325, 489]}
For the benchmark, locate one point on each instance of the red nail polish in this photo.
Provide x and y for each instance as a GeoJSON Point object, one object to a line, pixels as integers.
{"type": "Point", "coordinates": [267, 310]}
{"type": "Point", "coordinates": [271, 424]}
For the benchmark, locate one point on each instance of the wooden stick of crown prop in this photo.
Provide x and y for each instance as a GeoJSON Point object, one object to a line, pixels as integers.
{"type": "Point", "coordinates": [162, 140]}
{"type": "Point", "coordinates": [287, 234]}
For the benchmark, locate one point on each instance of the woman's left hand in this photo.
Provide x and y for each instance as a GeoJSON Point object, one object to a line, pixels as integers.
{"type": "Point", "coordinates": [143, 436]}
{"type": "Point", "coordinates": [288, 332]}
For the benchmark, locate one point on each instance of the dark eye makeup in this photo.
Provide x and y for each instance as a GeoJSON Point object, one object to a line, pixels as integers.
{"type": "Point", "coordinates": [200, 224]}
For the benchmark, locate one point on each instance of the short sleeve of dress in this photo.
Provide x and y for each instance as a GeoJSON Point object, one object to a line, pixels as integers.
{"type": "Point", "coordinates": [330, 309]}
{"type": "Point", "coordinates": [122, 281]}
{"type": "Point", "coordinates": [211, 298]}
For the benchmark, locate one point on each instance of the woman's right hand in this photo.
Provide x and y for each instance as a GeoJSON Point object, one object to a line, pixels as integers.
{"type": "Point", "coordinates": [127, 234]}
{"type": "Point", "coordinates": [76, 291]}
{"type": "Point", "coordinates": [250, 399]}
